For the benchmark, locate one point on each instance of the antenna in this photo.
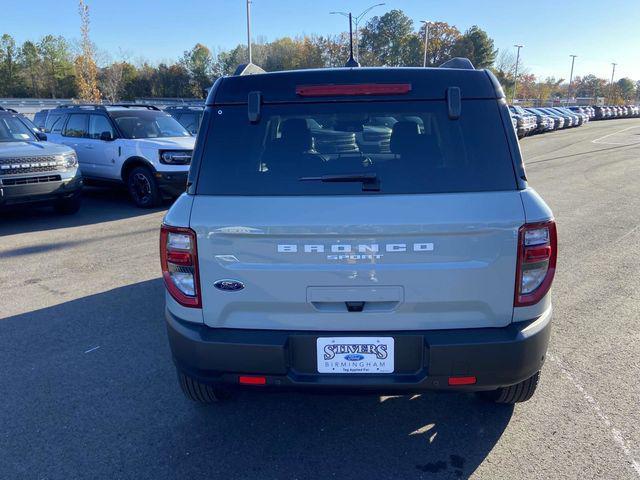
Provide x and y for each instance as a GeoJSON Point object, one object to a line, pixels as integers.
{"type": "Point", "coordinates": [352, 62]}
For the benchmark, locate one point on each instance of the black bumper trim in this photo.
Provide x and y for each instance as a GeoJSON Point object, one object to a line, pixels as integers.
{"type": "Point", "coordinates": [172, 184]}
{"type": "Point", "coordinates": [43, 192]}
{"type": "Point", "coordinates": [424, 360]}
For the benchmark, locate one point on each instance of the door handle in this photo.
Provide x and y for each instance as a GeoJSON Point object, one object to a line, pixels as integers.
{"type": "Point", "coordinates": [89, 147]}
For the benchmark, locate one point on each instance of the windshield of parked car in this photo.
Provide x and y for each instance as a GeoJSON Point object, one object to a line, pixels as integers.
{"type": "Point", "coordinates": [148, 124]}
{"type": "Point", "coordinates": [12, 129]}
{"type": "Point", "coordinates": [335, 149]}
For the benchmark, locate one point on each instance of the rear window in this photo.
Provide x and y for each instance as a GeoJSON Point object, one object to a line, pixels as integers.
{"type": "Point", "coordinates": [409, 147]}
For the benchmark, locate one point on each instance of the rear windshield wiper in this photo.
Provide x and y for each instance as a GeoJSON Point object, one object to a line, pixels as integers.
{"type": "Point", "coordinates": [370, 182]}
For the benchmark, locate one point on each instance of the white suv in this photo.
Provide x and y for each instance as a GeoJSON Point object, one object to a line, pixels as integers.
{"type": "Point", "coordinates": [138, 145]}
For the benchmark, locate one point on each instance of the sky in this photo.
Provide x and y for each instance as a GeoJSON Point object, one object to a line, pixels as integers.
{"type": "Point", "coordinates": [598, 31]}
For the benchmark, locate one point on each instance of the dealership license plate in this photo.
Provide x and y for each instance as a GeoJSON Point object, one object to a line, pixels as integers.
{"type": "Point", "coordinates": [355, 355]}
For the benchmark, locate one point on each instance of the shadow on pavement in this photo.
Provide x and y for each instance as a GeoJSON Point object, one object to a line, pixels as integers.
{"type": "Point", "coordinates": [88, 390]}
{"type": "Point", "coordinates": [99, 204]}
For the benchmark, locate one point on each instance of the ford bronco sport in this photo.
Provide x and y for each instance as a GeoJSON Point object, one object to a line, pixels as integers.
{"type": "Point", "coordinates": [423, 265]}
{"type": "Point", "coordinates": [34, 171]}
{"type": "Point", "coordinates": [139, 146]}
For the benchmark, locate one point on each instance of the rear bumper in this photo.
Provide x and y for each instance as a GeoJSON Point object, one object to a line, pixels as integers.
{"type": "Point", "coordinates": [68, 186]}
{"type": "Point", "coordinates": [424, 360]}
{"type": "Point", "coordinates": [172, 184]}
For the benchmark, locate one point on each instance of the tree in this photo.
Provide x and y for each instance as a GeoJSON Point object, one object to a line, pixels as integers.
{"type": "Point", "coordinates": [442, 38]}
{"type": "Point", "coordinates": [589, 86]}
{"type": "Point", "coordinates": [8, 65]}
{"type": "Point", "coordinates": [626, 89]}
{"type": "Point", "coordinates": [198, 62]}
{"type": "Point", "coordinates": [31, 67]}
{"type": "Point", "coordinates": [86, 69]}
{"type": "Point", "coordinates": [111, 81]}
{"type": "Point", "coordinates": [477, 46]}
{"type": "Point", "coordinates": [385, 40]}
{"type": "Point", "coordinates": [57, 66]}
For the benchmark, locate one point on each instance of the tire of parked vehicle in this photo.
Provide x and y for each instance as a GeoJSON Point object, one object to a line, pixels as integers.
{"type": "Point", "coordinates": [68, 206]}
{"type": "Point", "coordinates": [143, 188]}
{"type": "Point", "coordinates": [201, 392]}
{"type": "Point", "coordinates": [520, 392]}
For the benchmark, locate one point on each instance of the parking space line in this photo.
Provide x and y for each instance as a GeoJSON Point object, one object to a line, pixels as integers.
{"type": "Point", "coordinates": [597, 140]}
{"type": "Point", "coordinates": [615, 433]}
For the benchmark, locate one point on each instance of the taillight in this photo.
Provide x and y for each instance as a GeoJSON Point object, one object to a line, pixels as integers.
{"type": "Point", "coordinates": [179, 260]}
{"type": "Point", "coordinates": [537, 254]}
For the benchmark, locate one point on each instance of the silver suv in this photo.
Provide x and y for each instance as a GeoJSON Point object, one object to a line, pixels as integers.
{"type": "Point", "coordinates": [34, 171]}
{"type": "Point", "coordinates": [424, 264]}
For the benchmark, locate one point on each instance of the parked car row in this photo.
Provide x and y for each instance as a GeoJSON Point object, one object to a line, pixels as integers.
{"type": "Point", "coordinates": [532, 120]}
{"type": "Point", "coordinates": [605, 112]}
{"type": "Point", "coordinates": [138, 146]}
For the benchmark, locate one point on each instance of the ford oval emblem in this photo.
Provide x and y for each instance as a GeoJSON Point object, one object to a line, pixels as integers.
{"type": "Point", "coordinates": [229, 285]}
{"type": "Point", "coordinates": [354, 357]}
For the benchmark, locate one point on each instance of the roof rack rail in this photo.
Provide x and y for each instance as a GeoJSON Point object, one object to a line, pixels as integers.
{"type": "Point", "coordinates": [133, 105]}
{"type": "Point", "coordinates": [458, 62]}
{"type": "Point", "coordinates": [247, 69]}
{"type": "Point", "coordinates": [184, 107]}
{"type": "Point", "coordinates": [7, 109]}
{"type": "Point", "coordinates": [82, 106]}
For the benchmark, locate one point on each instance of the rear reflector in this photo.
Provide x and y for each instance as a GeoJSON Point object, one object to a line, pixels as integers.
{"type": "Point", "coordinates": [355, 89]}
{"type": "Point", "coordinates": [252, 380]}
{"type": "Point", "coordinates": [462, 380]}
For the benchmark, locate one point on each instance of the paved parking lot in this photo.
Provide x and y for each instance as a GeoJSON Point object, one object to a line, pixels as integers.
{"type": "Point", "coordinates": [87, 388]}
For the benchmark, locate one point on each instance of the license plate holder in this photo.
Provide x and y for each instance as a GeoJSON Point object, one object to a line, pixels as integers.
{"type": "Point", "coordinates": [355, 355]}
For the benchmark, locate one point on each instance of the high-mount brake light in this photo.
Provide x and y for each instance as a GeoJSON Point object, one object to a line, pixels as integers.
{"type": "Point", "coordinates": [536, 267]}
{"type": "Point", "coordinates": [179, 261]}
{"type": "Point", "coordinates": [353, 89]}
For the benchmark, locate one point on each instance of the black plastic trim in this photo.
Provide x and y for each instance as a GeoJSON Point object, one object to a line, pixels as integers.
{"type": "Point", "coordinates": [424, 359]}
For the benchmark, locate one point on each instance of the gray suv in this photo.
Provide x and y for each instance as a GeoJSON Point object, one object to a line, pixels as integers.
{"type": "Point", "coordinates": [423, 265]}
{"type": "Point", "coordinates": [35, 171]}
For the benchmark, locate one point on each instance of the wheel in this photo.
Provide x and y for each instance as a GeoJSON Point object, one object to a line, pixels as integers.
{"type": "Point", "coordinates": [143, 188]}
{"type": "Point", "coordinates": [68, 206]}
{"type": "Point", "coordinates": [201, 392]}
{"type": "Point", "coordinates": [520, 392]}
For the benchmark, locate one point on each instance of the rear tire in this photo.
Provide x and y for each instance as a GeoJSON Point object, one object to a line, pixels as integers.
{"type": "Point", "coordinates": [68, 206]}
{"type": "Point", "coordinates": [143, 188]}
{"type": "Point", "coordinates": [520, 392]}
{"type": "Point", "coordinates": [201, 392]}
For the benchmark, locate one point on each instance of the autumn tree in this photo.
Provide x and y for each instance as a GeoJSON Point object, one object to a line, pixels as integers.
{"type": "Point", "coordinates": [86, 69]}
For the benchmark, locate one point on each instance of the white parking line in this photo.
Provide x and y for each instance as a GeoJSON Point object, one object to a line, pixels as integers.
{"type": "Point", "coordinates": [615, 433]}
{"type": "Point", "coordinates": [597, 140]}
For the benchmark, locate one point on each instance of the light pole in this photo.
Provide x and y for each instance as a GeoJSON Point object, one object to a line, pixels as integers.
{"type": "Point", "coordinates": [613, 71]}
{"type": "Point", "coordinates": [426, 41]}
{"type": "Point", "coordinates": [515, 76]}
{"type": "Point", "coordinates": [249, 29]}
{"type": "Point", "coordinates": [573, 59]}
{"type": "Point", "coordinates": [356, 21]}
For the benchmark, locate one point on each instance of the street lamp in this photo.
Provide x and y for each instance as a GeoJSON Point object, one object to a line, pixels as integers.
{"type": "Point", "coordinates": [426, 41]}
{"type": "Point", "coordinates": [515, 77]}
{"type": "Point", "coordinates": [356, 21]}
{"type": "Point", "coordinates": [613, 71]}
{"type": "Point", "coordinates": [573, 59]}
{"type": "Point", "coordinates": [249, 29]}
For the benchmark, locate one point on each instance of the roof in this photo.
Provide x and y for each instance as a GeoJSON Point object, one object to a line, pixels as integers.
{"type": "Point", "coordinates": [426, 84]}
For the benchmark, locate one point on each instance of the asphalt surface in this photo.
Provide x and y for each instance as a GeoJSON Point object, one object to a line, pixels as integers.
{"type": "Point", "coordinates": [87, 388]}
